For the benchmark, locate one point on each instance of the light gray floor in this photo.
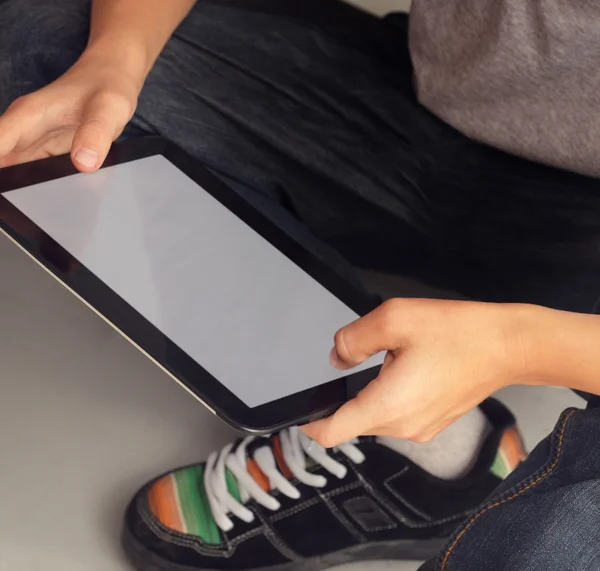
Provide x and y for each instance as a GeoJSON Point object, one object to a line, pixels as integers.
{"type": "Point", "coordinates": [85, 420]}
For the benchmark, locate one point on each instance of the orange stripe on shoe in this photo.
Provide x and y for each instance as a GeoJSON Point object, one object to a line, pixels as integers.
{"type": "Point", "coordinates": [164, 504]}
{"type": "Point", "coordinates": [281, 463]}
{"type": "Point", "coordinates": [512, 447]}
{"type": "Point", "coordinates": [258, 475]}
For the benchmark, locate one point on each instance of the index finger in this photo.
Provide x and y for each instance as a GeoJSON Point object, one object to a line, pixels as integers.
{"type": "Point", "coordinates": [23, 124]}
{"type": "Point", "coordinates": [357, 417]}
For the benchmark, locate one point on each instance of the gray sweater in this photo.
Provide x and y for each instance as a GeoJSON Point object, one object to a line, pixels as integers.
{"type": "Point", "coordinates": [521, 75]}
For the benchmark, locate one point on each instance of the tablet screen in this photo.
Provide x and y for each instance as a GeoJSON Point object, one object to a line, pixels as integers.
{"type": "Point", "coordinates": [211, 284]}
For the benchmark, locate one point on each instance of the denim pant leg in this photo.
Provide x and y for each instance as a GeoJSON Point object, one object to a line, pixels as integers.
{"type": "Point", "coordinates": [545, 515]}
{"type": "Point", "coordinates": [314, 119]}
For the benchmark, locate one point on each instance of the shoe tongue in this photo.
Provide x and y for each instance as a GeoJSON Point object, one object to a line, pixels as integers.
{"type": "Point", "coordinates": [274, 444]}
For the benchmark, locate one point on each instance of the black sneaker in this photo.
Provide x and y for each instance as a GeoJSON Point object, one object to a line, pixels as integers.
{"type": "Point", "coordinates": [286, 504]}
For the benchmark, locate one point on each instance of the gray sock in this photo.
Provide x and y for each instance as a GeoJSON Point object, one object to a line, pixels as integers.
{"type": "Point", "coordinates": [453, 452]}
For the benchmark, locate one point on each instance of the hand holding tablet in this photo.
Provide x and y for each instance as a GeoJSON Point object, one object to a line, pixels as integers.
{"type": "Point", "coordinates": [213, 292]}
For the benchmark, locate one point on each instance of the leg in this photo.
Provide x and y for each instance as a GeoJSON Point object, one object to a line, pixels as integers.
{"type": "Point", "coordinates": [422, 200]}
{"type": "Point", "coordinates": [39, 41]}
{"type": "Point", "coordinates": [216, 134]}
{"type": "Point", "coordinates": [508, 230]}
{"type": "Point", "coordinates": [544, 517]}
{"type": "Point", "coordinates": [250, 93]}
{"type": "Point", "coordinates": [279, 105]}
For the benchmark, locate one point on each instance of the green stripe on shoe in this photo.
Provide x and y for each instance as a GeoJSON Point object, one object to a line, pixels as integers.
{"type": "Point", "coordinates": [232, 485]}
{"type": "Point", "coordinates": [194, 505]}
{"type": "Point", "coordinates": [500, 467]}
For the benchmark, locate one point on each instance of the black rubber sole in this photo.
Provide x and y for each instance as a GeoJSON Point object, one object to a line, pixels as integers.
{"type": "Point", "coordinates": [143, 559]}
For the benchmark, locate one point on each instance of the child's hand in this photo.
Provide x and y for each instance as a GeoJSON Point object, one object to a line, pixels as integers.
{"type": "Point", "coordinates": [82, 112]}
{"type": "Point", "coordinates": [443, 359]}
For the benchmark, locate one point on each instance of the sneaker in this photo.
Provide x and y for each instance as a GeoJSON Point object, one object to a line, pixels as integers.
{"type": "Point", "coordinates": [284, 503]}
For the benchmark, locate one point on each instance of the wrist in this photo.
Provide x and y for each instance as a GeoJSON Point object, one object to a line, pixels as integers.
{"type": "Point", "coordinates": [121, 57]}
{"type": "Point", "coordinates": [556, 348]}
{"type": "Point", "coordinates": [529, 339]}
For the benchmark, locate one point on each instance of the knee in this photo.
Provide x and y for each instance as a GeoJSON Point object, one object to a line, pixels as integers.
{"type": "Point", "coordinates": [39, 40]}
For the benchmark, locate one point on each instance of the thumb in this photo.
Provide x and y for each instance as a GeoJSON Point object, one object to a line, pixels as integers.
{"type": "Point", "coordinates": [380, 330]}
{"type": "Point", "coordinates": [92, 141]}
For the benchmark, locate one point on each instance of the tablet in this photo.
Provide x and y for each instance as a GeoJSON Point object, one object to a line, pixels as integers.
{"type": "Point", "coordinates": [217, 295]}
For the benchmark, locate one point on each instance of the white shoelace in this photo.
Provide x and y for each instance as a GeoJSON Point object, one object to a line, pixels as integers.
{"type": "Point", "coordinates": [295, 447]}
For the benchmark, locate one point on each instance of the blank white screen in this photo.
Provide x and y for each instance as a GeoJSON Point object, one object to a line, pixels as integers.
{"type": "Point", "coordinates": [247, 314]}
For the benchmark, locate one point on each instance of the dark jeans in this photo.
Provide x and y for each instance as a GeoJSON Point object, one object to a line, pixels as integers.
{"type": "Point", "coordinates": [307, 109]}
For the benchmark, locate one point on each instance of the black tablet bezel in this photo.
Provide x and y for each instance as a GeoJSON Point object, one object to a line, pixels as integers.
{"type": "Point", "coordinates": [298, 408]}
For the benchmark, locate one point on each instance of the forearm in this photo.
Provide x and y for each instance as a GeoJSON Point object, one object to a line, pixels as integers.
{"type": "Point", "coordinates": [130, 34]}
{"type": "Point", "coordinates": [562, 349]}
